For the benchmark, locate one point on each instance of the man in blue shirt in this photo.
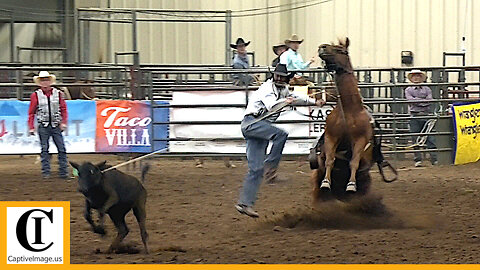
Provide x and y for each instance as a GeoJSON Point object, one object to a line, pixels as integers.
{"type": "Point", "coordinates": [292, 58]}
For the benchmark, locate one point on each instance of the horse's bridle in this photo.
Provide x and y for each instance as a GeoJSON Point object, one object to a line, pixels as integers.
{"type": "Point", "coordinates": [332, 67]}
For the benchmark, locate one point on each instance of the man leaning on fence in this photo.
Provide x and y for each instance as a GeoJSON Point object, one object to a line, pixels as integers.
{"type": "Point", "coordinates": [48, 104]}
{"type": "Point", "coordinates": [240, 61]}
{"type": "Point", "coordinates": [420, 93]}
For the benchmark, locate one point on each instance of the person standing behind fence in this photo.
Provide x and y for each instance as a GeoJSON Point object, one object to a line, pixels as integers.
{"type": "Point", "coordinates": [47, 103]}
{"type": "Point", "coordinates": [420, 93]}
{"type": "Point", "coordinates": [278, 50]}
{"type": "Point", "coordinates": [258, 135]}
{"type": "Point", "coordinates": [240, 61]}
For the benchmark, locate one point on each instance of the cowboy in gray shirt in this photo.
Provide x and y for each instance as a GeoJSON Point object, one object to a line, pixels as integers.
{"type": "Point", "coordinates": [241, 62]}
{"type": "Point", "coordinates": [420, 93]}
{"type": "Point", "coordinates": [258, 133]}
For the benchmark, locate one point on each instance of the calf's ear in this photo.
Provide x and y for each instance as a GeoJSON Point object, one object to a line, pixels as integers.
{"type": "Point", "coordinates": [101, 164]}
{"type": "Point", "coordinates": [75, 165]}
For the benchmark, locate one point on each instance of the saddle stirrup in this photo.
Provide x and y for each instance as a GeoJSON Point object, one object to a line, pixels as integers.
{"type": "Point", "coordinates": [387, 164]}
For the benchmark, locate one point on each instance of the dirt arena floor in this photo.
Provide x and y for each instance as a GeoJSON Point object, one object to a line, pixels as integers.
{"type": "Point", "coordinates": [432, 216]}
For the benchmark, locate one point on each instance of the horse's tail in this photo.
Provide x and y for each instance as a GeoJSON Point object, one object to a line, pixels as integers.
{"type": "Point", "coordinates": [378, 156]}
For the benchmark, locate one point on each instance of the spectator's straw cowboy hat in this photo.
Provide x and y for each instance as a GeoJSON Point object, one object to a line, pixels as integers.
{"type": "Point", "coordinates": [417, 71]}
{"type": "Point", "coordinates": [280, 45]}
{"type": "Point", "coordinates": [294, 38]}
{"type": "Point", "coordinates": [281, 69]}
{"type": "Point", "coordinates": [44, 74]}
{"type": "Point", "coordinates": [239, 42]}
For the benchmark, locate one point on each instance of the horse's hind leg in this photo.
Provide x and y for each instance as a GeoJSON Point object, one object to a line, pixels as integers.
{"type": "Point", "coordinates": [358, 148]}
{"type": "Point", "coordinates": [331, 144]}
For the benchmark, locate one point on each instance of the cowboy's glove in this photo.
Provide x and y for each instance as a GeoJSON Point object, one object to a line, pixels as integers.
{"type": "Point", "coordinates": [320, 102]}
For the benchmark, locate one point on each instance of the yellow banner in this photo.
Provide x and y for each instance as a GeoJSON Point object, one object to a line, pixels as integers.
{"type": "Point", "coordinates": [467, 132]}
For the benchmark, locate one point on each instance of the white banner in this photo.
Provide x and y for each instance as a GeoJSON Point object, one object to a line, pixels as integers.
{"type": "Point", "coordinates": [233, 131]}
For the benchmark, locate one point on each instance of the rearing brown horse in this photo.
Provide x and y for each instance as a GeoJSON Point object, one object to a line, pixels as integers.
{"type": "Point", "coordinates": [349, 119]}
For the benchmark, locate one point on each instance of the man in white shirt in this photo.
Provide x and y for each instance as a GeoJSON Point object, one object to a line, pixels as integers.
{"type": "Point", "coordinates": [258, 134]}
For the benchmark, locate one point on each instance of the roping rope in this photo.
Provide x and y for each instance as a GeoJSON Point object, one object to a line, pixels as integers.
{"type": "Point", "coordinates": [421, 139]}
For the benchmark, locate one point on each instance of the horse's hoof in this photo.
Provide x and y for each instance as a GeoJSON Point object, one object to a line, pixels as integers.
{"type": "Point", "coordinates": [351, 187]}
{"type": "Point", "coordinates": [325, 185]}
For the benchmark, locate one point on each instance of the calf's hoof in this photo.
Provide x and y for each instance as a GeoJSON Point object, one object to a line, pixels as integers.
{"type": "Point", "coordinates": [110, 249]}
{"type": "Point", "coordinates": [325, 186]}
{"type": "Point", "coordinates": [100, 230]}
{"type": "Point", "coordinates": [351, 187]}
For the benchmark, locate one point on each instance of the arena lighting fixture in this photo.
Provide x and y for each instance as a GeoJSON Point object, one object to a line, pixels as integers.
{"type": "Point", "coordinates": [407, 57]}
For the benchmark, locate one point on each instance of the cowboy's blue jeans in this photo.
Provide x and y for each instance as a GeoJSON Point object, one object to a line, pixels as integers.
{"type": "Point", "coordinates": [257, 137]}
{"type": "Point", "coordinates": [416, 126]}
{"type": "Point", "coordinates": [56, 133]}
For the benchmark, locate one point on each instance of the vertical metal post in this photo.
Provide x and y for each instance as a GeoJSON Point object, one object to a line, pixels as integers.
{"type": "Point", "coordinates": [78, 35]}
{"type": "Point", "coordinates": [19, 80]}
{"type": "Point", "coordinates": [134, 30]}
{"type": "Point", "coordinates": [18, 54]}
{"type": "Point", "coordinates": [69, 35]}
{"type": "Point", "coordinates": [436, 92]}
{"type": "Point", "coordinates": [444, 141]}
{"type": "Point", "coordinates": [86, 41]}
{"type": "Point", "coordinates": [116, 79]}
{"type": "Point", "coordinates": [394, 131]}
{"type": "Point", "coordinates": [63, 19]}
{"type": "Point", "coordinates": [152, 110]}
{"type": "Point", "coordinates": [150, 83]}
{"type": "Point", "coordinates": [109, 35]}
{"type": "Point", "coordinates": [397, 93]}
{"type": "Point", "coordinates": [228, 37]}
{"type": "Point", "coordinates": [12, 38]}
{"type": "Point", "coordinates": [462, 79]}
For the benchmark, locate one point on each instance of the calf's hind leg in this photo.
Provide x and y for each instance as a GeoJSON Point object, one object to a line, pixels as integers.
{"type": "Point", "coordinates": [141, 215]}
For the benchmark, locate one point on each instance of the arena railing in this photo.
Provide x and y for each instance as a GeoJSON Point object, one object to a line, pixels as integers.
{"type": "Point", "coordinates": [382, 89]}
{"type": "Point", "coordinates": [16, 81]}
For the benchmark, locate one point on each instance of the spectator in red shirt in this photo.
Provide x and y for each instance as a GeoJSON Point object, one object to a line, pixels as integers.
{"type": "Point", "coordinates": [47, 103]}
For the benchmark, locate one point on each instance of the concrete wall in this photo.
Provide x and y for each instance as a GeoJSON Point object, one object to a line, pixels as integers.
{"type": "Point", "coordinates": [378, 29]}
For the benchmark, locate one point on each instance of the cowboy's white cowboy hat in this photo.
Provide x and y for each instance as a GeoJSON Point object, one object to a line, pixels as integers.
{"type": "Point", "coordinates": [416, 71]}
{"type": "Point", "coordinates": [44, 74]}
{"type": "Point", "coordinates": [294, 38]}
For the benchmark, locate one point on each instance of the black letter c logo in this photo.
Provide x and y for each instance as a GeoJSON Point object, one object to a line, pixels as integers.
{"type": "Point", "coordinates": [22, 230]}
